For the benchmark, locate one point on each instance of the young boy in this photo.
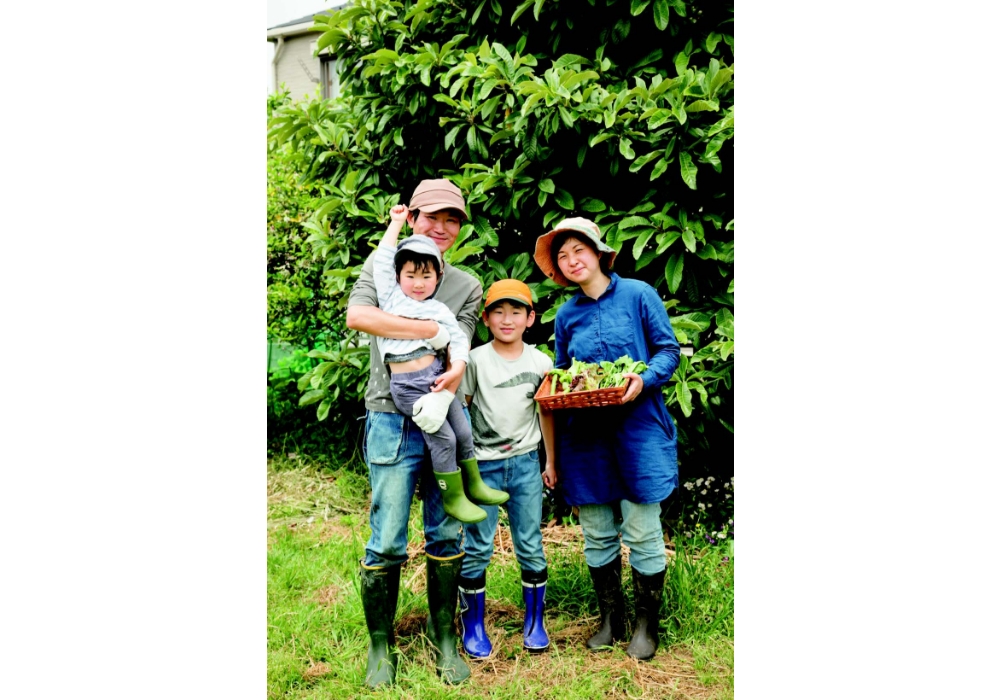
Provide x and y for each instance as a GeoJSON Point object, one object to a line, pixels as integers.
{"type": "Point", "coordinates": [405, 280]}
{"type": "Point", "coordinates": [499, 385]}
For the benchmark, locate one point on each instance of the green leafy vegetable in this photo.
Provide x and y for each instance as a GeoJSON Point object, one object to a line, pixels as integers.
{"type": "Point", "coordinates": [588, 376]}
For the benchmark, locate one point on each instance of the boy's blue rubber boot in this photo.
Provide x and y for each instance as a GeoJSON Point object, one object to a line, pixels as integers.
{"type": "Point", "coordinates": [536, 639]}
{"type": "Point", "coordinates": [472, 611]}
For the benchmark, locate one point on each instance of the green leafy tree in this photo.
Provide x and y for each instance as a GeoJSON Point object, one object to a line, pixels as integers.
{"type": "Point", "coordinates": [301, 317]}
{"type": "Point", "coordinates": [618, 110]}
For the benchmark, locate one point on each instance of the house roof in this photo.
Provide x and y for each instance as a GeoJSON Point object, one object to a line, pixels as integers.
{"type": "Point", "coordinates": [302, 25]}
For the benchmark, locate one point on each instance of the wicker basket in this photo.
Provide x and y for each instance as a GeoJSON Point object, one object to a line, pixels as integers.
{"type": "Point", "coordinates": [579, 399]}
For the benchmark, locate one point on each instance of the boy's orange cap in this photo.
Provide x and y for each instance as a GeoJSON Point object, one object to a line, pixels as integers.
{"type": "Point", "coordinates": [511, 290]}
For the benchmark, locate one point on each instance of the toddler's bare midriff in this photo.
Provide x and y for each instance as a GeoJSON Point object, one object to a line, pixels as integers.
{"type": "Point", "coordinates": [411, 365]}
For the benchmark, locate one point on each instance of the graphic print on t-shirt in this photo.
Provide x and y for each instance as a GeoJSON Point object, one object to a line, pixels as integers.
{"type": "Point", "coordinates": [503, 410]}
{"type": "Point", "coordinates": [484, 432]}
{"type": "Point", "coordinates": [534, 380]}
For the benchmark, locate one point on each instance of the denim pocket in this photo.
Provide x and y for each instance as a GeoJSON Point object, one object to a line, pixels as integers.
{"type": "Point", "coordinates": [384, 437]}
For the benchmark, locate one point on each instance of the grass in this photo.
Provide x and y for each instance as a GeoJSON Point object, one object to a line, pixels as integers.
{"type": "Point", "coordinates": [317, 640]}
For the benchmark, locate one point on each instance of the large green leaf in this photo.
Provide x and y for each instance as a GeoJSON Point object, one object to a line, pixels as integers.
{"type": "Point", "coordinates": [564, 199]}
{"type": "Point", "coordinates": [498, 269]}
{"type": "Point", "coordinates": [665, 240]}
{"type": "Point", "coordinates": [638, 6]}
{"type": "Point", "coordinates": [720, 79]}
{"type": "Point", "coordinates": [684, 398]}
{"type": "Point", "coordinates": [311, 397]}
{"type": "Point", "coordinates": [675, 271]}
{"type": "Point", "coordinates": [597, 138]}
{"type": "Point", "coordinates": [571, 82]}
{"type": "Point", "coordinates": [681, 62]}
{"type": "Point", "coordinates": [630, 221]}
{"type": "Point", "coordinates": [593, 205]}
{"type": "Point", "coordinates": [643, 159]}
{"type": "Point", "coordinates": [324, 408]}
{"type": "Point", "coordinates": [693, 321]}
{"type": "Point", "coordinates": [625, 148]}
{"type": "Point", "coordinates": [659, 117]}
{"type": "Point", "coordinates": [641, 241]}
{"type": "Point", "coordinates": [689, 171]}
{"type": "Point", "coordinates": [482, 227]}
{"type": "Point", "coordinates": [521, 9]}
{"type": "Point", "coordinates": [646, 258]}
{"type": "Point", "coordinates": [661, 14]}
{"type": "Point", "coordinates": [689, 241]}
{"type": "Point", "coordinates": [659, 168]}
{"type": "Point", "coordinates": [570, 59]}
{"type": "Point", "coordinates": [702, 106]}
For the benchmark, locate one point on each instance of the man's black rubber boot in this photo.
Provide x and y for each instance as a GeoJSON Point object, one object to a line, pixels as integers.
{"type": "Point", "coordinates": [608, 586]}
{"type": "Point", "coordinates": [648, 599]}
{"type": "Point", "coordinates": [379, 593]}
{"type": "Point", "coordinates": [442, 602]}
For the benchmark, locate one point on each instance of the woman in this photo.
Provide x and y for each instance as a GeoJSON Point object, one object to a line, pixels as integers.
{"type": "Point", "coordinates": [616, 463]}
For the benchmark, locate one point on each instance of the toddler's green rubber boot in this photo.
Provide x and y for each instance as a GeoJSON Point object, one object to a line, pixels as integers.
{"type": "Point", "coordinates": [454, 500]}
{"type": "Point", "coordinates": [476, 488]}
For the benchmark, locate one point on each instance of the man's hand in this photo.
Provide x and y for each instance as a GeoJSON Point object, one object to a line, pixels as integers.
{"type": "Point", "coordinates": [441, 339]}
{"type": "Point", "coordinates": [431, 409]}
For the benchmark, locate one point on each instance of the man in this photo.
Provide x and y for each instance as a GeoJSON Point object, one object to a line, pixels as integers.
{"type": "Point", "coordinates": [394, 451]}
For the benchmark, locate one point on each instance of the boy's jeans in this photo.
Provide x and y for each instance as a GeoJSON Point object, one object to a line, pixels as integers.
{"type": "Point", "coordinates": [521, 477]}
{"type": "Point", "coordinates": [394, 451]}
{"type": "Point", "coordinates": [640, 531]}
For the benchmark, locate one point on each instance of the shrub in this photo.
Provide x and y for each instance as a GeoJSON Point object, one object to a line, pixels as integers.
{"type": "Point", "coordinates": [620, 111]}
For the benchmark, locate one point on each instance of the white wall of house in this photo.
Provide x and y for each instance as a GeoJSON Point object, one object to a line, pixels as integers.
{"type": "Point", "coordinates": [298, 69]}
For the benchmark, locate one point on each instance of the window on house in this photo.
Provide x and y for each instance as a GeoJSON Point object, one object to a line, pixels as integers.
{"type": "Point", "coordinates": [328, 76]}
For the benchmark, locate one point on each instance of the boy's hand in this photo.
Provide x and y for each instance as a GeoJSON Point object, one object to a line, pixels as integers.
{"type": "Point", "coordinates": [399, 213]}
{"type": "Point", "coordinates": [549, 477]}
{"type": "Point", "coordinates": [448, 376]}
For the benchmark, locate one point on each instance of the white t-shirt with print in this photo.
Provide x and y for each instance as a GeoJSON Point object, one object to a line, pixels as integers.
{"type": "Point", "coordinates": [504, 418]}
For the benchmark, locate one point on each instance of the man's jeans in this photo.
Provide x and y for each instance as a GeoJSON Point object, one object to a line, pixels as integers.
{"type": "Point", "coordinates": [640, 531]}
{"type": "Point", "coordinates": [521, 477]}
{"type": "Point", "coordinates": [395, 453]}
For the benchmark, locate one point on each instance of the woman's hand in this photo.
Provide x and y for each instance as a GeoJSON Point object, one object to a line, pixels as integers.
{"type": "Point", "coordinates": [634, 386]}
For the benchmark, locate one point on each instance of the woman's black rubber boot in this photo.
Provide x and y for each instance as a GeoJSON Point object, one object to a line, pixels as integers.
{"type": "Point", "coordinates": [608, 586]}
{"type": "Point", "coordinates": [648, 599]}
